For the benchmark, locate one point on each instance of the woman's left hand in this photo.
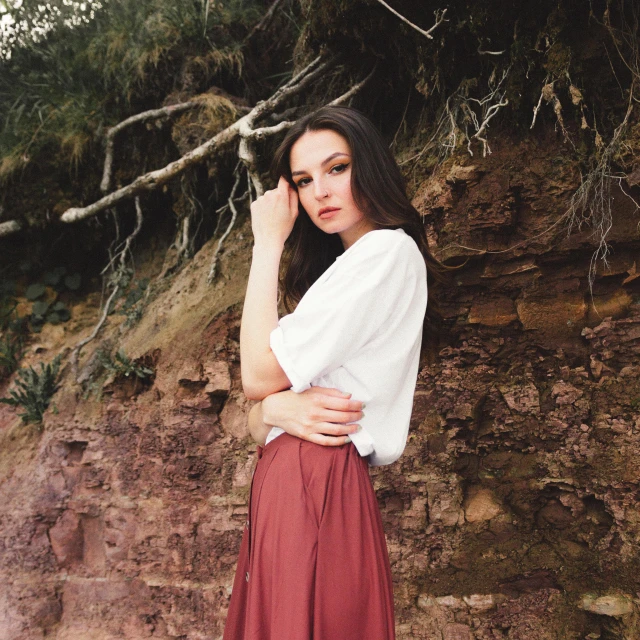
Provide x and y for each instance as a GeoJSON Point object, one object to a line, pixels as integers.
{"type": "Point", "coordinates": [273, 214]}
{"type": "Point", "coordinates": [321, 415]}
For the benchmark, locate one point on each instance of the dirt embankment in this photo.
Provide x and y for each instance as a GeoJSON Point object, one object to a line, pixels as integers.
{"type": "Point", "coordinates": [512, 514]}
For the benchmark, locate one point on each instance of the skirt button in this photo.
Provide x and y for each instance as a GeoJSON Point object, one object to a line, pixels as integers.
{"type": "Point", "coordinates": [247, 576]}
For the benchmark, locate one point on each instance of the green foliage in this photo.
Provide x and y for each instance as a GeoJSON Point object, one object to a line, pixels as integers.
{"type": "Point", "coordinates": [133, 304]}
{"type": "Point", "coordinates": [59, 94]}
{"type": "Point", "coordinates": [10, 354]}
{"type": "Point", "coordinates": [52, 311]}
{"type": "Point", "coordinates": [122, 365]}
{"type": "Point", "coordinates": [34, 390]}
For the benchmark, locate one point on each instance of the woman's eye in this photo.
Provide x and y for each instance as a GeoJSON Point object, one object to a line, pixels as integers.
{"type": "Point", "coordinates": [339, 168]}
{"type": "Point", "coordinates": [302, 182]}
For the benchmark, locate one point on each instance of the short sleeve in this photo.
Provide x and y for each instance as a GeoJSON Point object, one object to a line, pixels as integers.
{"type": "Point", "coordinates": [341, 314]}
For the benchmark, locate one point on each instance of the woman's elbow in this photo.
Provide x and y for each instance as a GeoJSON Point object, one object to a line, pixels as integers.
{"type": "Point", "coordinates": [256, 389]}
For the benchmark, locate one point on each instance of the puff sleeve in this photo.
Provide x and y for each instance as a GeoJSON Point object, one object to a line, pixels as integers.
{"type": "Point", "coordinates": [341, 314]}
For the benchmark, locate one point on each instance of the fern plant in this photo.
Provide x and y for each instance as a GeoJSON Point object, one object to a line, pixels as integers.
{"type": "Point", "coordinates": [34, 390]}
{"type": "Point", "coordinates": [122, 365]}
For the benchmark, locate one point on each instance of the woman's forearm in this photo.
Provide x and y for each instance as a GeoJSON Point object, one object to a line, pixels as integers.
{"type": "Point", "coordinates": [260, 370]}
{"type": "Point", "coordinates": [257, 428]}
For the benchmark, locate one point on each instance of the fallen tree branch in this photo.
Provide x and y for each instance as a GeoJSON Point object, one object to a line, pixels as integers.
{"type": "Point", "coordinates": [240, 128]}
{"type": "Point", "coordinates": [356, 87]}
{"type": "Point", "coordinates": [438, 14]}
{"type": "Point", "coordinates": [152, 114]}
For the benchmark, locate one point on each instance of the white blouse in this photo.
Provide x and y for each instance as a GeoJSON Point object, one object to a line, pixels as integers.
{"type": "Point", "coordinates": [359, 328]}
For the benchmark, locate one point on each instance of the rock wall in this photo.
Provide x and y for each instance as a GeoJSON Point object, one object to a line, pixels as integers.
{"type": "Point", "coordinates": [512, 514]}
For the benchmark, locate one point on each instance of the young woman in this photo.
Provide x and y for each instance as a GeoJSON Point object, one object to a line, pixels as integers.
{"type": "Point", "coordinates": [313, 561]}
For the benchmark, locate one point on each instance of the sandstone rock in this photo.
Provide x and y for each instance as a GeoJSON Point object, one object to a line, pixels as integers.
{"type": "Point", "coordinates": [481, 601]}
{"type": "Point", "coordinates": [614, 305]}
{"type": "Point", "coordinates": [457, 631]}
{"type": "Point", "coordinates": [451, 602]}
{"type": "Point", "coordinates": [444, 498]}
{"type": "Point", "coordinates": [426, 601]}
{"type": "Point", "coordinates": [481, 505]}
{"type": "Point", "coordinates": [495, 312]}
{"type": "Point", "coordinates": [565, 393]}
{"type": "Point", "coordinates": [523, 398]}
{"type": "Point", "coordinates": [610, 605]}
{"type": "Point", "coordinates": [459, 173]}
{"type": "Point", "coordinates": [556, 315]}
{"type": "Point", "coordinates": [218, 378]}
{"type": "Point", "coordinates": [67, 539]}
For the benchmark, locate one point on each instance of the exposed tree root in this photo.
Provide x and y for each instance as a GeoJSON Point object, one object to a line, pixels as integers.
{"type": "Point", "coordinates": [152, 114]}
{"type": "Point", "coordinates": [439, 14]}
{"type": "Point", "coordinates": [234, 215]}
{"type": "Point", "coordinates": [240, 128]}
{"type": "Point", "coordinates": [116, 279]}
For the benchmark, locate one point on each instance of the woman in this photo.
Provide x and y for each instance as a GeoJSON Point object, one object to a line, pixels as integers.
{"type": "Point", "coordinates": [313, 561]}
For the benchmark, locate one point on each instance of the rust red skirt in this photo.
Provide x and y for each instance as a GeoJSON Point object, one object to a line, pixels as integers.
{"type": "Point", "coordinates": [313, 562]}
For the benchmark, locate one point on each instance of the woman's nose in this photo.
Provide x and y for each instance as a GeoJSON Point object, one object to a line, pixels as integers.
{"type": "Point", "coordinates": [320, 189]}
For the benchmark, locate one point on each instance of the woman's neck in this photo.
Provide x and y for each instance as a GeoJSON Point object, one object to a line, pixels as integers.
{"type": "Point", "coordinates": [355, 232]}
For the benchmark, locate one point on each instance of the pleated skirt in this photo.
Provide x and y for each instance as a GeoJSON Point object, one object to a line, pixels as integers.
{"type": "Point", "coordinates": [313, 562]}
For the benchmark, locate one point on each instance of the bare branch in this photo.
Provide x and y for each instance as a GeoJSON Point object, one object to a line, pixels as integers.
{"type": "Point", "coordinates": [240, 128]}
{"type": "Point", "coordinates": [155, 179]}
{"type": "Point", "coordinates": [247, 154]}
{"type": "Point", "coordinates": [356, 87]}
{"type": "Point", "coordinates": [266, 19]}
{"type": "Point", "coordinates": [152, 114]}
{"type": "Point", "coordinates": [9, 227]}
{"type": "Point", "coordinates": [234, 215]}
{"type": "Point", "coordinates": [263, 132]}
{"type": "Point", "coordinates": [117, 287]}
{"type": "Point", "coordinates": [439, 14]}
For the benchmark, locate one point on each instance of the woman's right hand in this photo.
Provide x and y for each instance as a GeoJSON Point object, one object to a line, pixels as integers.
{"type": "Point", "coordinates": [273, 214]}
{"type": "Point", "coordinates": [322, 415]}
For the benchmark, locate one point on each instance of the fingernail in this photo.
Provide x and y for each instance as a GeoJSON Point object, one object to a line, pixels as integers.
{"type": "Point", "coordinates": [347, 439]}
{"type": "Point", "coordinates": [364, 405]}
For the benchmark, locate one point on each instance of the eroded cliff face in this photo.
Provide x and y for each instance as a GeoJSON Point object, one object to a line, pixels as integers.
{"type": "Point", "coordinates": [512, 513]}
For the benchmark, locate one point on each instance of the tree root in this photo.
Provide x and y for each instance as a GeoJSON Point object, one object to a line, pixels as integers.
{"type": "Point", "coordinates": [439, 14]}
{"type": "Point", "coordinates": [242, 128]}
{"type": "Point", "coordinates": [234, 215]}
{"type": "Point", "coordinates": [152, 114]}
{"type": "Point", "coordinates": [117, 287]}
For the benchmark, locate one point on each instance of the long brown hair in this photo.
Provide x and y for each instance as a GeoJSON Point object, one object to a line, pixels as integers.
{"type": "Point", "coordinates": [378, 190]}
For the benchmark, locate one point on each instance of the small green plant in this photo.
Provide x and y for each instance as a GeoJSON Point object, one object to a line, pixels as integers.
{"type": "Point", "coordinates": [122, 365]}
{"type": "Point", "coordinates": [52, 311]}
{"type": "Point", "coordinates": [10, 353]}
{"type": "Point", "coordinates": [133, 304]}
{"type": "Point", "coordinates": [34, 390]}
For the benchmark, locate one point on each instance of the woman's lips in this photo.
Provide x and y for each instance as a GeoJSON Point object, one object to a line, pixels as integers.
{"type": "Point", "coordinates": [328, 212]}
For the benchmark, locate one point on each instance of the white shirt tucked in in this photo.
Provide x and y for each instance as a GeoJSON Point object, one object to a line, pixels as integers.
{"type": "Point", "coordinates": [358, 329]}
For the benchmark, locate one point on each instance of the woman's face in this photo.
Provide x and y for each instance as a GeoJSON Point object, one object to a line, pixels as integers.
{"type": "Point", "coordinates": [321, 164]}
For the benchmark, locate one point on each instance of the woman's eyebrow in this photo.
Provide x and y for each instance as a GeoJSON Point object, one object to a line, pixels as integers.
{"type": "Point", "coordinates": [329, 159]}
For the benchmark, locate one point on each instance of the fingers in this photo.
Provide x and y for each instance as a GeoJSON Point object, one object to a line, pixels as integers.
{"type": "Point", "coordinates": [333, 429]}
{"type": "Point", "coordinates": [341, 417]}
{"type": "Point", "coordinates": [328, 441]}
{"type": "Point", "coordinates": [336, 399]}
{"type": "Point", "coordinates": [283, 185]}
